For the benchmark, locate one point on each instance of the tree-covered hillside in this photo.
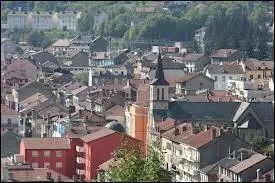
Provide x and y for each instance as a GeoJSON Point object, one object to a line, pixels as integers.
{"type": "Point", "coordinates": [230, 24]}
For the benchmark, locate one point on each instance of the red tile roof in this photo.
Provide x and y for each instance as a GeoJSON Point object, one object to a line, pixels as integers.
{"type": "Point", "coordinates": [224, 53]}
{"type": "Point", "coordinates": [97, 135]}
{"type": "Point", "coordinates": [36, 175]}
{"type": "Point", "coordinates": [201, 138]}
{"type": "Point", "coordinates": [46, 143]}
{"type": "Point", "coordinates": [253, 64]}
{"type": "Point", "coordinates": [116, 110]}
{"type": "Point", "coordinates": [6, 110]}
{"type": "Point", "coordinates": [23, 65]}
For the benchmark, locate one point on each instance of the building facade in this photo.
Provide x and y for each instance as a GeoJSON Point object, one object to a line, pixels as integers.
{"type": "Point", "coordinates": [42, 20]}
{"type": "Point", "coordinates": [67, 20]}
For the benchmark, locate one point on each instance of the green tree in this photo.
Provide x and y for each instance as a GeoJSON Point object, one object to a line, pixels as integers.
{"type": "Point", "coordinates": [130, 167]}
{"type": "Point", "coordinates": [86, 22]}
{"type": "Point", "coordinates": [35, 38]}
{"type": "Point", "coordinates": [259, 143]}
{"type": "Point", "coordinates": [82, 78]}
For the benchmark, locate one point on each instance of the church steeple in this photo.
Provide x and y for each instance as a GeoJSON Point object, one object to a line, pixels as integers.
{"type": "Point", "coordinates": [159, 77]}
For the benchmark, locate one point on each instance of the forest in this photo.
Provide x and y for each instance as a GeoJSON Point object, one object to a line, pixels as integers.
{"type": "Point", "coordinates": [242, 25]}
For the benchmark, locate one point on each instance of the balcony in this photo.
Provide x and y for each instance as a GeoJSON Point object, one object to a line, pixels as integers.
{"type": "Point", "coordinates": [79, 149]}
{"type": "Point", "coordinates": [189, 170]}
{"type": "Point", "coordinates": [80, 160]}
{"type": "Point", "coordinates": [80, 172]}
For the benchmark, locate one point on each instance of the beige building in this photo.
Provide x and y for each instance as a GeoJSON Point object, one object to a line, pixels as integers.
{"type": "Point", "coordinates": [67, 20]}
{"type": "Point", "coordinates": [42, 20]}
{"type": "Point", "coordinates": [18, 20]}
{"type": "Point", "coordinates": [189, 148]}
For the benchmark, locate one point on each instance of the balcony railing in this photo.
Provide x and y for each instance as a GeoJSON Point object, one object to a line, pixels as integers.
{"type": "Point", "coordinates": [190, 170]}
{"type": "Point", "coordinates": [79, 149]}
{"type": "Point", "coordinates": [80, 172]}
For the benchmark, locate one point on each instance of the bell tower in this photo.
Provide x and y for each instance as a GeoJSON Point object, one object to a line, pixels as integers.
{"type": "Point", "coordinates": [159, 88]}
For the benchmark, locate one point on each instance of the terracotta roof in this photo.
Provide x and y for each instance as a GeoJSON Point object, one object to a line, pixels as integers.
{"type": "Point", "coordinates": [137, 83]}
{"type": "Point", "coordinates": [167, 124]}
{"type": "Point", "coordinates": [200, 139]}
{"type": "Point", "coordinates": [224, 53]}
{"type": "Point", "coordinates": [97, 135]}
{"type": "Point", "coordinates": [242, 165]}
{"type": "Point", "coordinates": [46, 143]}
{"type": "Point", "coordinates": [116, 110]}
{"type": "Point", "coordinates": [253, 64]}
{"type": "Point", "coordinates": [182, 134]}
{"type": "Point", "coordinates": [6, 110]}
{"type": "Point", "coordinates": [105, 166]}
{"type": "Point", "coordinates": [23, 65]}
{"type": "Point", "coordinates": [61, 42]}
{"type": "Point", "coordinates": [192, 57]}
{"type": "Point", "coordinates": [78, 90]}
{"type": "Point", "coordinates": [36, 175]}
{"type": "Point", "coordinates": [225, 69]}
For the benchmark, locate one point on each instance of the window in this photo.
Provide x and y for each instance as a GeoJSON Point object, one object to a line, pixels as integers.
{"type": "Point", "coordinates": [58, 164]}
{"type": "Point", "coordinates": [168, 146]}
{"type": "Point", "coordinates": [259, 76]}
{"type": "Point", "coordinates": [47, 154]}
{"type": "Point", "coordinates": [216, 78]}
{"type": "Point", "coordinates": [34, 165]}
{"type": "Point", "coordinates": [201, 84]}
{"type": "Point", "coordinates": [158, 94]}
{"type": "Point", "coordinates": [58, 154]}
{"type": "Point", "coordinates": [9, 121]}
{"type": "Point", "coordinates": [251, 76]}
{"type": "Point", "coordinates": [162, 93]}
{"type": "Point", "coordinates": [35, 154]}
{"type": "Point", "coordinates": [223, 78]}
{"type": "Point", "coordinates": [47, 165]}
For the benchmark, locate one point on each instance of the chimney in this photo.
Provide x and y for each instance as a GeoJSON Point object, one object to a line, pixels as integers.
{"type": "Point", "coordinates": [241, 156]}
{"type": "Point", "coordinates": [234, 154]}
{"type": "Point", "coordinates": [214, 133]}
{"type": "Point", "coordinates": [258, 174]}
{"type": "Point", "coordinates": [184, 128]}
{"type": "Point", "coordinates": [49, 176]}
{"type": "Point", "coordinates": [79, 113]}
{"type": "Point", "coordinates": [229, 151]}
{"type": "Point", "coordinates": [176, 131]}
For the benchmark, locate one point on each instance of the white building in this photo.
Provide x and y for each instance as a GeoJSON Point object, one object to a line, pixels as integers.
{"type": "Point", "coordinates": [42, 20]}
{"type": "Point", "coordinates": [200, 37]}
{"type": "Point", "coordinates": [271, 84]}
{"type": "Point", "coordinates": [18, 20]}
{"type": "Point", "coordinates": [9, 119]}
{"type": "Point", "coordinates": [67, 20]}
{"type": "Point", "coordinates": [222, 73]}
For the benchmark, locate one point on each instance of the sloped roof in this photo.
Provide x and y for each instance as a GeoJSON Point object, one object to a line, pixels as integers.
{"type": "Point", "coordinates": [221, 53]}
{"type": "Point", "coordinates": [203, 110]}
{"type": "Point", "coordinates": [192, 57]}
{"type": "Point", "coordinates": [225, 69]}
{"type": "Point", "coordinates": [10, 143]}
{"type": "Point", "coordinates": [6, 110]}
{"type": "Point", "coordinates": [97, 135]}
{"type": "Point", "coordinates": [33, 87]}
{"type": "Point", "coordinates": [61, 43]}
{"type": "Point", "coordinates": [25, 66]}
{"type": "Point", "coordinates": [46, 143]}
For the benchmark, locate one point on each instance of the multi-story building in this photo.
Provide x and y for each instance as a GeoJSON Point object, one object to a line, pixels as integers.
{"type": "Point", "coordinates": [195, 62]}
{"type": "Point", "coordinates": [191, 147]}
{"type": "Point", "coordinates": [18, 20]}
{"type": "Point", "coordinates": [226, 55]}
{"type": "Point", "coordinates": [9, 119]}
{"type": "Point", "coordinates": [244, 166]}
{"type": "Point", "coordinates": [67, 20]}
{"type": "Point", "coordinates": [200, 37]}
{"type": "Point", "coordinates": [222, 73]}
{"type": "Point", "coordinates": [42, 20]}
{"type": "Point", "coordinates": [50, 153]}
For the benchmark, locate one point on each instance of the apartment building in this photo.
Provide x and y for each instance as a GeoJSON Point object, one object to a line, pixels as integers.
{"type": "Point", "coordinates": [42, 20]}
{"type": "Point", "coordinates": [190, 147]}
{"type": "Point", "coordinates": [18, 20]}
{"type": "Point", "coordinates": [67, 20]}
{"type": "Point", "coordinates": [50, 153]}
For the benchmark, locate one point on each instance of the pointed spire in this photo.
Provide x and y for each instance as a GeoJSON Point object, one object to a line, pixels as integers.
{"type": "Point", "coordinates": [159, 77]}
